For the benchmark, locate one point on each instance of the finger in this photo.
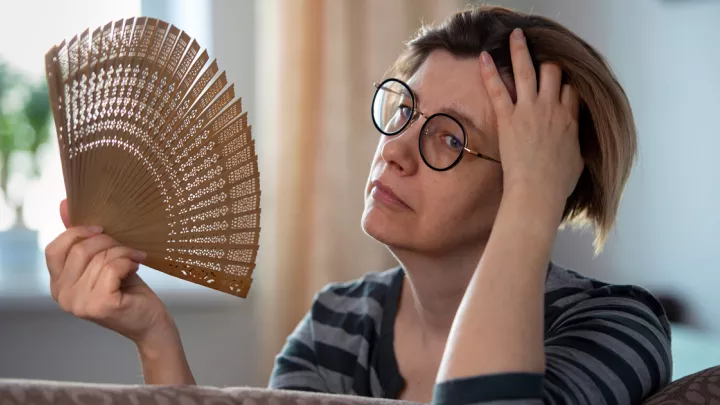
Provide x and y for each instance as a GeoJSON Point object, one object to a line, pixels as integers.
{"type": "Point", "coordinates": [80, 256]}
{"type": "Point", "coordinates": [92, 274]}
{"type": "Point", "coordinates": [57, 251]}
{"type": "Point", "coordinates": [495, 87]}
{"type": "Point", "coordinates": [113, 274]}
{"type": "Point", "coordinates": [64, 214]}
{"type": "Point", "coordinates": [550, 81]}
{"type": "Point", "coordinates": [523, 69]}
{"type": "Point", "coordinates": [570, 97]}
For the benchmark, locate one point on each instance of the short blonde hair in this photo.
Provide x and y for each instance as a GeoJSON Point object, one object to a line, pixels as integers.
{"type": "Point", "coordinates": [607, 130]}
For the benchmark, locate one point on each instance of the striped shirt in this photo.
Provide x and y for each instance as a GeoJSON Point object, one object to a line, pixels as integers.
{"type": "Point", "coordinates": [604, 344]}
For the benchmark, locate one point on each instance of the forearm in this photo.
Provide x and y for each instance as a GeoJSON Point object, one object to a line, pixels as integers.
{"type": "Point", "coordinates": [499, 325]}
{"type": "Point", "coordinates": [163, 360]}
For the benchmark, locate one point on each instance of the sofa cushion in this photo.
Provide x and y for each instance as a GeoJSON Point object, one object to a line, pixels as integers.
{"type": "Point", "coordinates": [700, 388]}
{"type": "Point", "coordinates": [39, 392]}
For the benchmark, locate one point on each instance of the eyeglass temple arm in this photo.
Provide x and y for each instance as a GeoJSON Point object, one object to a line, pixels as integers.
{"type": "Point", "coordinates": [377, 86]}
{"type": "Point", "coordinates": [480, 155]}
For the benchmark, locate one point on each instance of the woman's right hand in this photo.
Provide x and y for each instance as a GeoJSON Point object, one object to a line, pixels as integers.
{"type": "Point", "coordinates": [93, 277]}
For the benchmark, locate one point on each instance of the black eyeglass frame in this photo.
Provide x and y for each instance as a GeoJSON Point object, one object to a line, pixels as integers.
{"type": "Point", "coordinates": [414, 117]}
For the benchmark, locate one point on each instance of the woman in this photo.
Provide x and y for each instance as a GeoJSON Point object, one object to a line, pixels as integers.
{"type": "Point", "coordinates": [497, 127]}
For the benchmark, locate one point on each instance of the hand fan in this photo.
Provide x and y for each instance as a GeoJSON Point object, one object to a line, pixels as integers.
{"type": "Point", "coordinates": [156, 149]}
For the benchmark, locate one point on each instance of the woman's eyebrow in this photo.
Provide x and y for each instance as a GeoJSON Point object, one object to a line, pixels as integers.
{"type": "Point", "coordinates": [466, 122]}
{"type": "Point", "coordinates": [464, 119]}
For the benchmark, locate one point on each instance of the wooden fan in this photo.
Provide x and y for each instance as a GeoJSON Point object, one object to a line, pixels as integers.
{"type": "Point", "coordinates": [155, 149]}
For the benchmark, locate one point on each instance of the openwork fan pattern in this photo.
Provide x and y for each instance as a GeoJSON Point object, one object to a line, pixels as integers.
{"type": "Point", "coordinates": [156, 149]}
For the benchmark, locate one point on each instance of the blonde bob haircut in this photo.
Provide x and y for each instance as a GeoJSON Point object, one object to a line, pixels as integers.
{"type": "Point", "coordinates": [606, 125]}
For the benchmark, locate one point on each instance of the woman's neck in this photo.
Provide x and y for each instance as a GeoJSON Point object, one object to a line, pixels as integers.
{"type": "Point", "coordinates": [434, 286]}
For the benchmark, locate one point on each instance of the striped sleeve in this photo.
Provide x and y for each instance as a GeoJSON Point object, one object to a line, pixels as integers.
{"type": "Point", "coordinates": [296, 367]}
{"type": "Point", "coordinates": [612, 348]}
{"type": "Point", "coordinates": [329, 351]}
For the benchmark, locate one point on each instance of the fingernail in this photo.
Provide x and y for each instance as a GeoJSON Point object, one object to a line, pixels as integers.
{"type": "Point", "coordinates": [94, 229]}
{"type": "Point", "coordinates": [485, 58]}
{"type": "Point", "coordinates": [518, 33]}
{"type": "Point", "coordinates": [139, 256]}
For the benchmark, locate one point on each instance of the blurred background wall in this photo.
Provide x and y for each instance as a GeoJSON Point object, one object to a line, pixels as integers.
{"type": "Point", "coordinates": [304, 69]}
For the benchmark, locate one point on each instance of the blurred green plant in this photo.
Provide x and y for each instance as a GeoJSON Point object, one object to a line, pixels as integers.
{"type": "Point", "coordinates": [25, 129]}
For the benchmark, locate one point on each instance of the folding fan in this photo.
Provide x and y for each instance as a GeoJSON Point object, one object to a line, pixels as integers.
{"type": "Point", "coordinates": [155, 149]}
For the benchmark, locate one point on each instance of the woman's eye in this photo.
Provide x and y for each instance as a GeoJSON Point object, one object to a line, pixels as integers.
{"type": "Point", "coordinates": [405, 111]}
{"type": "Point", "coordinates": [452, 141]}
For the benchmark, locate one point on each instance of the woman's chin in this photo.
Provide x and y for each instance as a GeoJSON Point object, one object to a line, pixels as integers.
{"type": "Point", "coordinates": [383, 228]}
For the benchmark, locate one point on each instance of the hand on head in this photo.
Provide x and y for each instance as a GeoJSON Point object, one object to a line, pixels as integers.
{"type": "Point", "coordinates": [538, 134]}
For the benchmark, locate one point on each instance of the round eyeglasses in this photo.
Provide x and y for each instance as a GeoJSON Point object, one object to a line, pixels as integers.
{"type": "Point", "coordinates": [442, 139]}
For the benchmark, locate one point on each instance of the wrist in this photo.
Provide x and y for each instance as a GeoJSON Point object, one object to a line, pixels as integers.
{"type": "Point", "coordinates": [531, 211]}
{"type": "Point", "coordinates": [161, 340]}
{"type": "Point", "coordinates": [153, 353]}
{"type": "Point", "coordinates": [535, 199]}
{"type": "Point", "coordinates": [165, 364]}
{"type": "Point", "coordinates": [163, 359]}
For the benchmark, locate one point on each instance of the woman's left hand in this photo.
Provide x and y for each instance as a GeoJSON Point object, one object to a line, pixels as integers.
{"type": "Point", "coordinates": [538, 135]}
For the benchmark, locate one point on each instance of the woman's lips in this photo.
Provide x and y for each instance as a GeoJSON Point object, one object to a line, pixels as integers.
{"type": "Point", "coordinates": [385, 195]}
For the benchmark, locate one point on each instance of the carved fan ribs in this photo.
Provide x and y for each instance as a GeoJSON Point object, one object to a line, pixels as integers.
{"type": "Point", "coordinates": [156, 149]}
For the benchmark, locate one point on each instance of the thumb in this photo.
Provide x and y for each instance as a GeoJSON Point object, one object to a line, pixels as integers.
{"type": "Point", "coordinates": [64, 215]}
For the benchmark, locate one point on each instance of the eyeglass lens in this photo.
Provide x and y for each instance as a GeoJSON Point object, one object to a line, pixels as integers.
{"type": "Point", "coordinates": [442, 139]}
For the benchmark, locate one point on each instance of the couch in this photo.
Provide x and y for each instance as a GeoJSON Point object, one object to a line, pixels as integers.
{"type": "Point", "coordinates": [699, 388]}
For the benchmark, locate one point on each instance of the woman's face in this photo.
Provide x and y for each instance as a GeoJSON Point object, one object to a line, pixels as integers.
{"type": "Point", "coordinates": [438, 212]}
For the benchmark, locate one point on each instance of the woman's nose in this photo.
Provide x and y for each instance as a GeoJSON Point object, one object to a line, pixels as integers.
{"type": "Point", "coordinates": [401, 151]}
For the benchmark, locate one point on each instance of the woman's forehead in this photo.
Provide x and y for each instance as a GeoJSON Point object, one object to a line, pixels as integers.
{"type": "Point", "coordinates": [445, 82]}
